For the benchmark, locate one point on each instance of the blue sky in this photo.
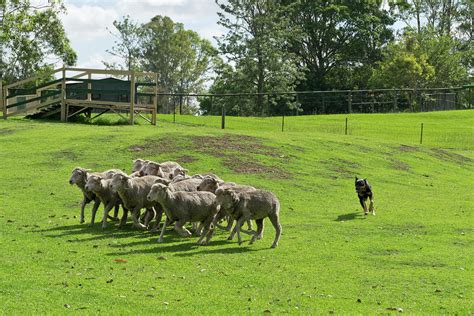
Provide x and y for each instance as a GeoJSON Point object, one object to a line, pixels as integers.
{"type": "Point", "coordinates": [86, 22]}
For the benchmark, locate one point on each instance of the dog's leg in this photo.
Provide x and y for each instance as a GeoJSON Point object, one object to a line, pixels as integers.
{"type": "Point", "coordinates": [362, 202]}
{"type": "Point", "coordinates": [371, 206]}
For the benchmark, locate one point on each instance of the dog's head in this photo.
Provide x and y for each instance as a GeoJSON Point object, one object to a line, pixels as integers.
{"type": "Point", "coordinates": [361, 185]}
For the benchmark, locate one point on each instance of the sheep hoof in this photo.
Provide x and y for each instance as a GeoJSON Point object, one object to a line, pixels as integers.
{"type": "Point", "coordinates": [140, 227]}
{"type": "Point", "coordinates": [81, 221]}
{"type": "Point", "coordinates": [160, 240]}
{"type": "Point", "coordinates": [229, 238]}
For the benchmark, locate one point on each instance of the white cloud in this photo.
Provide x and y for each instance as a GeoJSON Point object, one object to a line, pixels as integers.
{"type": "Point", "coordinates": [86, 22]}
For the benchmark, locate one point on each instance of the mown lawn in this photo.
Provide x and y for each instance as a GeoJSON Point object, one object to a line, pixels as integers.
{"type": "Point", "coordinates": [415, 255]}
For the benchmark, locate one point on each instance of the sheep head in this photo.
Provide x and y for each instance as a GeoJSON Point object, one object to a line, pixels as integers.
{"type": "Point", "coordinates": [119, 181]}
{"type": "Point", "coordinates": [94, 183]}
{"type": "Point", "coordinates": [208, 184]}
{"type": "Point", "coordinates": [79, 175]}
{"type": "Point", "coordinates": [157, 192]}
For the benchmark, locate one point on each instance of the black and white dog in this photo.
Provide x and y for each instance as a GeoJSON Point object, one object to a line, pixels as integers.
{"type": "Point", "coordinates": [364, 191]}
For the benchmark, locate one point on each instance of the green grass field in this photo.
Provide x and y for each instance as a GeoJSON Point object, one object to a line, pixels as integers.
{"type": "Point", "coordinates": [415, 255]}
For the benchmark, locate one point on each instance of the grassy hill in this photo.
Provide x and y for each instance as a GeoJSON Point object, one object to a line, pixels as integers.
{"type": "Point", "coordinates": [415, 254]}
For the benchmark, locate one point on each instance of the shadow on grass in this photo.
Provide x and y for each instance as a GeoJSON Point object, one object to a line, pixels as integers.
{"type": "Point", "coordinates": [349, 217]}
{"type": "Point", "coordinates": [172, 243]}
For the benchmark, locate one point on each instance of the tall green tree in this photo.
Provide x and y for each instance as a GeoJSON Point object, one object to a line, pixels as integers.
{"type": "Point", "coordinates": [258, 33]}
{"type": "Point", "coordinates": [420, 61]}
{"type": "Point", "coordinates": [127, 44]}
{"type": "Point", "coordinates": [32, 38]}
{"type": "Point", "coordinates": [341, 40]}
{"type": "Point", "coordinates": [181, 57]}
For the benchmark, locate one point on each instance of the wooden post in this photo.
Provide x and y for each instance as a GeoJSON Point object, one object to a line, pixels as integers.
{"type": "Point", "coordinates": [421, 134]}
{"type": "Point", "coordinates": [372, 104]}
{"type": "Point", "coordinates": [3, 104]}
{"type": "Point", "coordinates": [132, 97]}
{"type": "Point", "coordinates": [174, 110]}
{"type": "Point", "coordinates": [89, 87]}
{"type": "Point", "coordinates": [63, 96]}
{"type": "Point", "coordinates": [223, 118]}
{"type": "Point", "coordinates": [282, 122]}
{"type": "Point", "coordinates": [155, 101]}
{"type": "Point", "coordinates": [395, 100]}
{"type": "Point", "coordinates": [346, 127]}
{"type": "Point", "coordinates": [349, 102]}
{"type": "Point", "coordinates": [180, 104]}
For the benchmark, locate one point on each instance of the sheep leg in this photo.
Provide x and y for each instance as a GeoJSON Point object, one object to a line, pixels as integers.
{"type": "Point", "coordinates": [276, 223]}
{"type": "Point", "coordinates": [230, 222]}
{"type": "Point", "coordinates": [94, 211]}
{"type": "Point", "coordinates": [149, 215]}
{"type": "Point", "coordinates": [107, 209]}
{"type": "Point", "coordinates": [159, 215]}
{"type": "Point", "coordinates": [181, 230]}
{"type": "Point", "coordinates": [208, 232]}
{"type": "Point", "coordinates": [83, 206]}
{"type": "Point", "coordinates": [116, 212]}
{"type": "Point", "coordinates": [259, 233]}
{"type": "Point", "coordinates": [163, 229]}
{"type": "Point", "coordinates": [234, 231]}
{"type": "Point", "coordinates": [136, 221]}
{"type": "Point", "coordinates": [249, 225]}
{"type": "Point", "coordinates": [239, 224]}
{"type": "Point", "coordinates": [123, 221]}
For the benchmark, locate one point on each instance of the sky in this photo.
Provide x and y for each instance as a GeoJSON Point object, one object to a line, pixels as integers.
{"type": "Point", "coordinates": [86, 22]}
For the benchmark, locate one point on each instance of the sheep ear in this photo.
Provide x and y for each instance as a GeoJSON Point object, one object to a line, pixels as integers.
{"type": "Point", "coordinates": [185, 170]}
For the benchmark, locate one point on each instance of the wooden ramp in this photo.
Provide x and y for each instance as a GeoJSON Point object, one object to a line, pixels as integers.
{"type": "Point", "coordinates": [78, 91]}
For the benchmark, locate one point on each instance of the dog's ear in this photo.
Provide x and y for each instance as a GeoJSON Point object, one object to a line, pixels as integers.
{"type": "Point", "coordinates": [366, 183]}
{"type": "Point", "coordinates": [356, 179]}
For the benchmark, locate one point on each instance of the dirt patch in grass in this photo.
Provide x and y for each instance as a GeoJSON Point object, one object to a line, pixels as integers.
{"type": "Point", "coordinates": [407, 149]}
{"type": "Point", "coordinates": [65, 155]}
{"type": "Point", "coordinates": [6, 131]}
{"type": "Point", "coordinates": [253, 167]}
{"type": "Point", "coordinates": [340, 168]}
{"type": "Point", "coordinates": [186, 159]}
{"type": "Point", "coordinates": [213, 145]}
{"type": "Point", "coordinates": [384, 252]}
{"type": "Point", "coordinates": [156, 146]}
{"type": "Point", "coordinates": [237, 151]}
{"type": "Point", "coordinates": [399, 165]}
{"type": "Point", "coordinates": [445, 155]}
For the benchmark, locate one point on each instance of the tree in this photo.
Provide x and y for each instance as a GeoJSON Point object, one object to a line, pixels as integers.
{"type": "Point", "coordinates": [258, 33]}
{"type": "Point", "coordinates": [181, 57]}
{"type": "Point", "coordinates": [420, 61]}
{"type": "Point", "coordinates": [127, 44]}
{"type": "Point", "coordinates": [340, 42]}
{"type": "Point", "coordinates": [30, 36]}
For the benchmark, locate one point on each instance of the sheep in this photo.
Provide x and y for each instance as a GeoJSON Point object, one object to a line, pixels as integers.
{"type": "Point", "coordinates": [211, 185]}
{"type": "Point", "coordinates": [79, 177]}
{"type": "Point", "coordinates": [181, 177]}
{"type": "Point", "coordinates": [133, 193]}
{"type": "Point", "coordinates": [255, 205]}
{"type": "Point", "coordinates": [164, 170]}
{"type": "Point", "coordinates": [138, 164]}
{"type": "Point", "coordinates": [101, 188]}
{"type": "Point", "coordinates": [185, 207]}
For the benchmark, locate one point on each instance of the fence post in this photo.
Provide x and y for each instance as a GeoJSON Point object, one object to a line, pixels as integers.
{"type": "Point", "coordinates": [155, 101]}
{"type": "Point", "coordinates": [346, 127]}
{"type": "Point", "coordinates": [421, 134]}
{"type": "Point", "coordinates": [174, 110]}
{"type": "Point", "coordinates": [223, 118]}
{"type": "Point", "coordinates": [2, 102]}
{"type": "Point", "coordinates": [132, 97]}
{"type": "Point", "coordinates": [180, 104]}
{"type": "Point", "coordinates": [63, 96]}
{"type": "Point", "coordinates": [349, 102]}
{"type": "Point", "coordinates": [283, 122]}
{"type": "Point", "coordinates": [395, 100]}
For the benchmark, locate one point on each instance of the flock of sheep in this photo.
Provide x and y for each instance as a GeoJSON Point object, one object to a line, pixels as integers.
{"type": "Point", "coordinates": [203, 200]}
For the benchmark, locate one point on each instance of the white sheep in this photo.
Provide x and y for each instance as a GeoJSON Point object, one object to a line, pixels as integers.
{"type": "Point", "coordinates": [133, 193]}
{"type": "Point", "coordinates": [101, 188]}
{"type": "Point", "coordinates": [79, 177]}
{"type": "Point", "coordinates": [212, 185]}
{"type": "Point", "coordinates": [255, 205]}
{"type": "Point", "coordinates": [184, 207]}
{"type": "Point", "coordinates": [164, 170]}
